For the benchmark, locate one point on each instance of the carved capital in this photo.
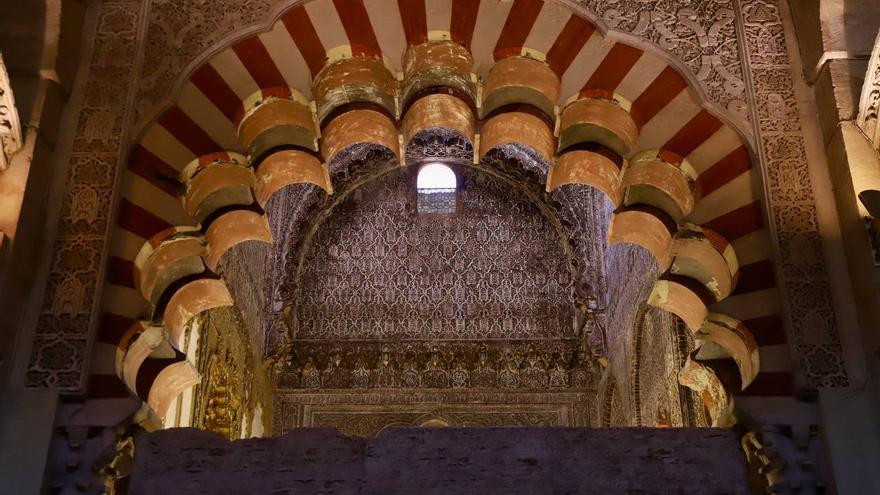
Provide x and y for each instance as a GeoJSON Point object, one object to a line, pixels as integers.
{"type": "Point", "coordinates": [10, 127]}
{"type": "Point", "coordinates": [869, 105]}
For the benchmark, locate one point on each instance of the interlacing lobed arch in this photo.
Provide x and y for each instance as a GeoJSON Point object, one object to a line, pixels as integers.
{"type": "Point", "coordinates": [285, 104]}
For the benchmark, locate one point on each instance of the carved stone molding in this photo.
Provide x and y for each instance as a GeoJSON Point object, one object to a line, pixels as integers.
{"type": "Point", "coordinates": [700, 35]}
{"type": "Point", "coordinates": [804, 279]}
{"type": "Point", "coordinates": [10, 127]}
{"type": "Point", "coordinates": [179, 31]}
{"type": "Point", "coordinates": [532, 365]}
{"type": "Point", "coordinates": [785, 459]}
{"type": "Point", "coordinates": [365, 413]}
{"type": "Point", "coordinates": [869, 105]}
{"type": "Point", "coordinates": [69, 314]}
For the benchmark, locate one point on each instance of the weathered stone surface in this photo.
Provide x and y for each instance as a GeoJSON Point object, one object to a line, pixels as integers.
{"type": "Point", "coordinates": [429, 461]}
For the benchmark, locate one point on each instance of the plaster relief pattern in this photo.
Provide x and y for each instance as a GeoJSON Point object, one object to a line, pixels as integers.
{"type": "Point", "coordinates": [804, 276]}
{"type": "Point", "coordinates": [365, 413]}
{"type": "Point", "coordinates": [180, 30]}
{"type": "Point", "coordinates": [69, 310]}
{"type": "Point", "coordinates": [701, 34]}
{"type": "Point", "coordinates": [378, 269]}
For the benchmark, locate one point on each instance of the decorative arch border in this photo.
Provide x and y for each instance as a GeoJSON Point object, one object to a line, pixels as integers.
{"type": "Point", "coordinates": [66, 330]}
{"type": "Point", "coordinates": [151, 102]}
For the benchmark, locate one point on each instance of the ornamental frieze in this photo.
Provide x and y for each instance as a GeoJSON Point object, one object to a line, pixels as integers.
{"type": "Point", "coordinates": [426, 365]}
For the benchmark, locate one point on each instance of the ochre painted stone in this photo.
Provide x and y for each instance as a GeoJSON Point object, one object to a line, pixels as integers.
{"type": "Point", "coordinates": [520, 80]}
{"type": "Point", "coordinates": [587, 168]}
{"type": "Point", "coordinates": [646, 230]}
{"type": "Point", "coordinates": [277, 122]}
{"type": "Point", "coordinates": [696, 256]}
{"type": "Point", "coordinates": [599, 121]}
{"type": "Point", "coordinates": [172, 260]}
{"type": "Point", "coordinates": [681, 301]}
{"type": "Point", "coordinates": [650, 180]}
{"type": "Point", "coordinates": [722, 337]}
{"type": "Point", "coordinates": [358, 79]}
{"type": "Point", "coordinates": [439, 111]}
{"type": "Point", "coordinates": [517, 128]}
{"type": "Point", "coordinates": [191, 299]}
{"type": "Point", "coordinates": [287, 167]}
{"type": "Point", "coordinates": [169, 384]}
{"type": "Point", "coordinates": [437, 64]}
{"type": "Point", "coordinates": [233, 228]}
{"type": "Point", "coordinates": [359, 126]}
{"type": "Point", "coordinates": [216, 186]}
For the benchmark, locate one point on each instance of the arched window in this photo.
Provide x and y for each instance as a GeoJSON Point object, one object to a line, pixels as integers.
{"type": "Point", "coordinates": [436, 185]}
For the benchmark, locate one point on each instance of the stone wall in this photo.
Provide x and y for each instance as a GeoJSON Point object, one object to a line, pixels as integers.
{"type": "Point", "coordinates": [502, 460]}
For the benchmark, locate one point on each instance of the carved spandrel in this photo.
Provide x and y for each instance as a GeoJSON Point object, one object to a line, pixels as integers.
{"type": "Point", "coordinates": [462, 365]}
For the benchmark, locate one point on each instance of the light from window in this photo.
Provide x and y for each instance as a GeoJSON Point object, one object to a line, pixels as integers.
{"type": "Point", "coordinates": [436, 185]}
{"type": "Point", "coordinates": [436, 176]}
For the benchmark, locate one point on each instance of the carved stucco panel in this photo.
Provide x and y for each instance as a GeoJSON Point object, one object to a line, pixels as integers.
{"type": "Point", "coordinates": [69, 311]}
{"type": "Point", "coordinates": [804, 275]}
{"type": "Point", "coordinates": [701, 34]}
{"type": "Point", "coordinates": [869, 105]}
{"type": "Point", "coordinates": [366, 413]}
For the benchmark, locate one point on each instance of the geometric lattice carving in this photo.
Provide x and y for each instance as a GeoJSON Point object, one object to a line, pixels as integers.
{"type": "Point", "coordinates": [494, 269]}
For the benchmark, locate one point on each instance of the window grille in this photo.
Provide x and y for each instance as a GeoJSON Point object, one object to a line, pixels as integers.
{"type": "Point", "coordinates": [436, 185]}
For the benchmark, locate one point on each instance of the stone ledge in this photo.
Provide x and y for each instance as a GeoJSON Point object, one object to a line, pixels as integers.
{"type": "Point", "coordinates": [445, 460]}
